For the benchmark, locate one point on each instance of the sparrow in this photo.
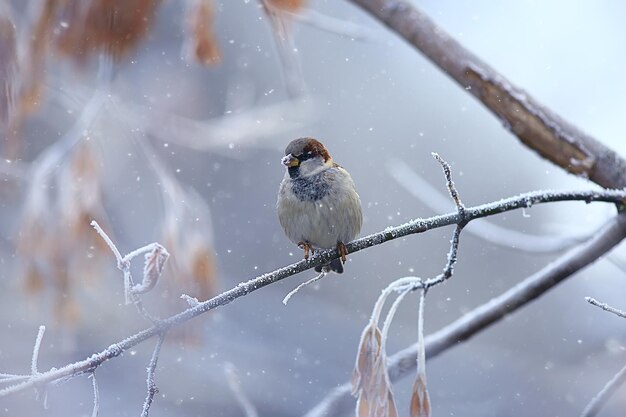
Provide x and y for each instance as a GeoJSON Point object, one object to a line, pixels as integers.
{"type": "Point", "coordinates": [318, 206]}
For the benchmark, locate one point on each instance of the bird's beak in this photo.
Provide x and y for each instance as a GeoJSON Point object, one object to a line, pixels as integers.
{"type": "Point", "coordinates": [290, 161]}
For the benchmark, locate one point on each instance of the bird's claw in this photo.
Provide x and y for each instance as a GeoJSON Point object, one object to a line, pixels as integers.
{"type": "Point", "coordinates": [307, 248]}
{"type": "Point", "coordinates": [341, 248]}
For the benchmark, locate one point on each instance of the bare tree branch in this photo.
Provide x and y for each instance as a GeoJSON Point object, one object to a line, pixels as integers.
{"type": "Point", "coordinates": [495, 234]}
{"type": "Point", "coordinates": [232, 378]}
{"type": "Point", "coordinates": [96, 396]}
{"type": "Point", "coordinates": [340, 402]}
{"type": "Point", "coordinates": [152, 388]}
{"type": "Point", "coordinates": [606, 307]}
{"type": "Point", "coordinates": [536, 126]}
{"type": "Point", "coordinates": [611, 235]}
{"type": "Point", "coordinates": [605, 393]}
{"type": "Point", "coordinates": [35, 358]}
{"type": "Point", "coordinates": [597, 402]}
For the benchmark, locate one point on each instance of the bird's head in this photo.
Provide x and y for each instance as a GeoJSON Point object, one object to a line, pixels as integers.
{"type": "Point", "coordinates": [305, 157]}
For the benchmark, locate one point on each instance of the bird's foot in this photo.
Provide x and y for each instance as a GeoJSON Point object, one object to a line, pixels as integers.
{"type": "Point", "coordinates": [307, 248]}
{"type": "Point", "coordinates": [341, 248]}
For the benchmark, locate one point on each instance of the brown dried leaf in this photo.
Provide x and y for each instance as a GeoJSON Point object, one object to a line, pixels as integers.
{"type": "Point", "coordinates": [370, 380]}
{"type": "Point", "coordinates": [33, 280]}
{"type": "Point", "coordinates": [8, 68]}
{"type": "Point", "coordinates": [67, 310]}
{"type": "Point", "coordinates": [367, 357]}
{"type": "Point", "coordinates": [153, 267]}
{"type": "Point", "coordinates": [362, 406]}
{"type": "Point", "coordinates": [80, 196]}
{"type": "Point", "coordinates": [202, 266]}
{"type": "Point", "coordinates": [205, 47]}
{"type": "Point", "coordinates": [112, 26]}
{"type": "Point", "coordinates": [287, 5]}
{"type": "Point", "coordinates": [420, 401]}
{"type": "Point", "coordinates": [391, 405]}
{"type": "Point", "coordinates": [34, 75]}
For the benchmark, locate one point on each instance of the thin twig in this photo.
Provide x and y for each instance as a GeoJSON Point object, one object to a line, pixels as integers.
{"type": "Point", "coordinates": [110, 244]}
{"type": "Point", "coordinates": [389, 318]}
{"type": "Point", "coordinates": [339, 401]}
{"type": "Point", "coordinates": [594, 406]}
{"type": "Point", "coordinates": [9, 378]}
{"type": "Point", "coordinates": [606, 307]}
{"type": "Point", "coordinates": [96, 395]}
{"type": "Point", "coordinates": [235, 386]}
{"type": "Point", "coordinates": [333, 25]}
{"type": "Point", "coordinates": [482, 228]}
{"type": "Point", "coordinates": [448, 269]}
{"type": "Point", "coordinates": [304, 284]}
{"type": "Point", "coordinates": [451, 187]}
{"type": "Point", "coordinates": [35, 358]}
{"type": "Point", "coordinates": [123, 264]}
{"type": "Point", "coordinates": [152, 388]}
{"type": "Point", "coordinates": [142, 250]}
{"type": "Point", "coordinates": [192, 301]}
{"type": "Point", "coordinates": [611, 234]}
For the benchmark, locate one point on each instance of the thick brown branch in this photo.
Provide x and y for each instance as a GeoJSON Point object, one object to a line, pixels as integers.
{"type": "Point", "coordinates": [536, 126]}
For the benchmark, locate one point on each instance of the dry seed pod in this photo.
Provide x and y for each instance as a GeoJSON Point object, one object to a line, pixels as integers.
{"type": "Point", "coordinates": [112, 26]}
{"type": "Point", "coordinates": [153, 267]}
{"type": "Point", "coordinates": [8, 68]}
{"type": "Point", "coordinates": [420, 402]}
{"type": "Point", "coordinates": [287, 5]}
{"type": "Point", "coordinates": [370, 381]}
{"type": "Point", "coordinates": [201, 264]}
{"type": "Point", "coordinates": [369, 352]}
{"type": "Point", "coordinates": [203, 42]}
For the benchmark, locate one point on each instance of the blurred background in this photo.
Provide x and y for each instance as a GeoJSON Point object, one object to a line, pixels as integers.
{"type": "Point", "coordinates": [172, 130]}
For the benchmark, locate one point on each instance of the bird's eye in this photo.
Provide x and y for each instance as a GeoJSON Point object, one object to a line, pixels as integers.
{"type": "Point", "coordinates": [305, 156]}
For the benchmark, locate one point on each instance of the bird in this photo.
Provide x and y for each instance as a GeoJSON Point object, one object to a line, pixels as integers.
{"type": "Point", "coordinates": [318, 206]}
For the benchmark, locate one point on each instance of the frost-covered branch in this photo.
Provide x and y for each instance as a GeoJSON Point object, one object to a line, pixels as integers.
{"type": "Point", "coordinates": [152, 387]}
{"type": "Point", "coordinates": [155, 257]}
{"type": "Point", "coordinates": [610, 235]}
{"type": "Point", "coordinates": [490, 232]}
{"type": "Point", "coordinates": [535, 125]}
{"type": "Point", "coordinates": [96, 396]}
{"type": "Point", "coordinates": [35, 358]}
{"type": "Point", "coordinates": [594, 406]}
{"type": "Point", "coordinates": [606, 307]}
{"type": "Point", "coordinates": [597, 402]}
{"type": "Point", "coordinates": [339, 402]}
{"type": "Point", "coordinates": [232, 378]}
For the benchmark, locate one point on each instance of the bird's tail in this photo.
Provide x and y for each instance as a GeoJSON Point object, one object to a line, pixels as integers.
{"type": "Point", "coordinates": [335, 265]}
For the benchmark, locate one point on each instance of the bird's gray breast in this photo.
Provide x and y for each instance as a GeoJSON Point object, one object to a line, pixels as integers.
{"type": "Point", "coordinates": [311, 188]}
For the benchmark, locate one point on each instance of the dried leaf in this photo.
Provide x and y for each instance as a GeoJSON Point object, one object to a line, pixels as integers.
{"type": "Point", "coordinates": [420, 401]}
{"type": "Point", "coordinates": [34, 75]}
{"type": "Point", "coordinates": [367, 357]}
{"type": "Point", "coordinates": [67, 310]}
{"type": "Point", "coordinates": [287, 5]}
{"type": "Point", "coordinates": [33, 280]}
{"type": "Point", "coordinates": [370, 380]}
{"type": "Point", "coordinates": [362, 406]}
{"type": "Point", "coordinates": [204, 45]}
{"type": "Point", "coordinates": [112, 26]}
{"type": "Point", "coordinates": [202, 267]}
{"type": "Point", "coordinates": [153, 267]}
{"type": "Point", "coordinates": [391, 405]}
{"type": "Point", "coordinates": [8, 68]}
